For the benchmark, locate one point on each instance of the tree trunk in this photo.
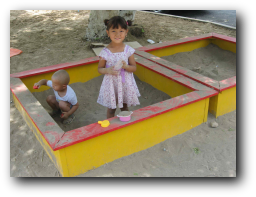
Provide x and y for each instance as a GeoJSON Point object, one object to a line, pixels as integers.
{"type": "Point", "coordinates": [96, 28]}
{"type": "Point", "coordinates": [127, 14]}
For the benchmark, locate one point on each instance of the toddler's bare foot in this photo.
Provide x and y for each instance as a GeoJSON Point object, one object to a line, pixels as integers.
{"type": "Point", "coordinates": [55, 112]}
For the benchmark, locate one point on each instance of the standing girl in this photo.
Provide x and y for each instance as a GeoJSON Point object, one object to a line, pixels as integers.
{"type": "Point", "coordinates": [118, 86]}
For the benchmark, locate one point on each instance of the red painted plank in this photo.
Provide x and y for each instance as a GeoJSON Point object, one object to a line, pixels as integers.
{"type": "Point", "coordinates": [168, 73]}
{"type": "Point", "coordinates": [57, 136]}
{"type": "Point", "coordinates": [41, 119]}
{"type": "Point", "coordinates": [56, 67]}
{"type": "Point", "coordinates": [174, 42]}
{"type": "Point", "coordinates": [211, 83]}
{"type": "Point", "coordinates": [228, 83]}
{"type": "Point", "coordinates": [93, 130]}
{"type": "Point", "coordinates": [223, 37]}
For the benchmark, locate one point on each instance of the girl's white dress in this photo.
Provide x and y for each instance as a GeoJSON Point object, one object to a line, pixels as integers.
{"type": "Point", "coordinates": [118, 89]}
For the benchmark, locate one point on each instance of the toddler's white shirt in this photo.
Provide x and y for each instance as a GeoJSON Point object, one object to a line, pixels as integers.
{"type": "Point", "coordinates": [69, 97]}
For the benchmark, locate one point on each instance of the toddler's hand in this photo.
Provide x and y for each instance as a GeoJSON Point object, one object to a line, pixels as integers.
{"type": "Point", "coordinates": [111, 71]}
{"type": "Point", "coordinates": [125, 66]}
{"type": "Point", "coordinates": [36, 86]}
{"type": "Point", "coordinates": [64, 115]}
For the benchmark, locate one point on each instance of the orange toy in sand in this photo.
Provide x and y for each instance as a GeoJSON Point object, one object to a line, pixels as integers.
{"type": "Point", "coordinates": [14, 52]}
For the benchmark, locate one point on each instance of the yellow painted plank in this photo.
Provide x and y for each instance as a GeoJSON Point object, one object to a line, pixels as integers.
{"type": "Point", "coordinates": [223, 103]}
{"type": "Point", "coordinates": [225, 45]}
{"type": "Point", "coordinates": [226, 101]}
{"type": "Point", "coordinates": [30, 81]}
{"type": "Point", "coordinates": [206, 109]}
{"type": "Point", "coordinates": [180, 48]}
{"type": "Point", "coordinates": [61, 157]}
{"type": "Point", "coordinates": [160, 82]}
{"type": "Point", "coordinates": [213, 105]}
{"type": "Point", "coordinates": [81, 74]}
{"type": "Point", "coordinates": [97, 151]}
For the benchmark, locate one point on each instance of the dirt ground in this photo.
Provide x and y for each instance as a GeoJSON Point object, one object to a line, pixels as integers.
{"type": "Point", "coordinates": [53, 37]}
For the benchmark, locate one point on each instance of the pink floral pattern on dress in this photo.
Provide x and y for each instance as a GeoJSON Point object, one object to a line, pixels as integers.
{"type": "Point", "coordinates": [112, 91]}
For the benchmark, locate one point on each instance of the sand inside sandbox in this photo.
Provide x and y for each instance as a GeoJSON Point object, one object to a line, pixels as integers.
{"type": "Point", "coordinates": [124, 113]}
{"type": "Point", "coordinates": [210, 61]}
{"type": "Point", "coordinates": [89, 110]}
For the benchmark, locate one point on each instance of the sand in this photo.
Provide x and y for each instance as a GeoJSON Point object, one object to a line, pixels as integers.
{"type": "Point", "coordinates": [89, 110]}
{"type": "Point", "coordinates": [52, 37]}
{"type": "Point", "coordinates": [210, 61]}
{"type": "Point", "coordinates": [124, 113]}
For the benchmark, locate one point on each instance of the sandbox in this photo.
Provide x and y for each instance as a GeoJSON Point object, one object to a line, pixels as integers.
{"type": "Point", "coordinates": [220, 104]}
{"type": "Point", "coordinates": [76, 151]}
{"type": "Point", "coordinates": [89, 110]}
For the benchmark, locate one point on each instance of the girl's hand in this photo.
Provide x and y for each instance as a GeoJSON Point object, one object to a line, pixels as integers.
{"type": "Point", "coordinates": [111, 71]}
{"type": "Point", "coordinates": [125, 66]}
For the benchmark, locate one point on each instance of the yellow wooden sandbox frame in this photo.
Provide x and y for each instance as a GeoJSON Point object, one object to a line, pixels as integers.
{"type": "Point", "coordinates": [220, 104]}
{"type": "Point", "coordinates": [77, 151]}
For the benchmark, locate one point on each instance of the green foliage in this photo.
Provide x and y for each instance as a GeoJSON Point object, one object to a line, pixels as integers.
{"type": "Point", "coordinates": [196, 150]}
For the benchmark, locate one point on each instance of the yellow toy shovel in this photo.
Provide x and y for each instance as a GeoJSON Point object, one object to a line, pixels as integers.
{"type": "Point", "coordinates": [104, 123]}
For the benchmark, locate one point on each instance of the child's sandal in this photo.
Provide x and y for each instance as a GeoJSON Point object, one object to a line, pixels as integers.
{"type": "Point", "coordinates": [69, 119]}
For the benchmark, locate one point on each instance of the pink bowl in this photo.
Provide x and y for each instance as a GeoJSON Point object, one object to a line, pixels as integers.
{"type": "Point", "coordinates": [125, 118]}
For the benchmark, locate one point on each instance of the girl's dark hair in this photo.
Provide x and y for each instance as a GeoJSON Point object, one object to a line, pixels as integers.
{"type": "Point", "coordinates": [116, 21]}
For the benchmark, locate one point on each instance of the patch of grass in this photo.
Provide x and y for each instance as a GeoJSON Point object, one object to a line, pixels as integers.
{"type": "Point", "coordinates": [230, 129]}
{"type": "Point", "coordinates": [196, 150]}
{"type": "Point", "coordinates": [136, 174]}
